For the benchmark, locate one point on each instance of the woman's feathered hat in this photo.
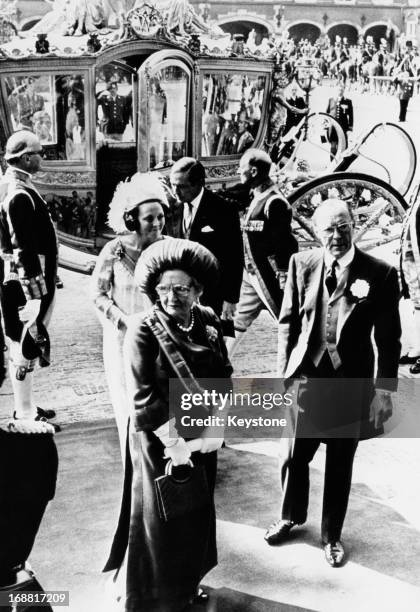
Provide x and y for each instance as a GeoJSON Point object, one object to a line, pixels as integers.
{"type": "Point", "coordinates": [140, 189]}
{"type": "Point", "coordinates": [175, 254]}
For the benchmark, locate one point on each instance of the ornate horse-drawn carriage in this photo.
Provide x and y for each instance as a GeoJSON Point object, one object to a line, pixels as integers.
{"type": "Point", "coordinates": [137, 98]}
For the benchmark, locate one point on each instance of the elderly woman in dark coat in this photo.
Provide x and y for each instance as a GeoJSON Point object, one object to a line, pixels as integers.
{"type": "Point", "coordinates": [165, 561]}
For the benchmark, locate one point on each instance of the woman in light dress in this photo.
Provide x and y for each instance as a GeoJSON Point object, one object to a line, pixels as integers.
{"type": "Point", "coordinates": [137, 216]}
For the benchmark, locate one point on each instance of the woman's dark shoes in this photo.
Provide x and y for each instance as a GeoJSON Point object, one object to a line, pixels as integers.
{"type": "Point", "coordinates": [415, 369]}
{"type": "Point", "coordinates": [408, 360]}
{"type": "Point", "coordinates": [278, 532]}
{"type": "Point", "coordinates": [334, 553]}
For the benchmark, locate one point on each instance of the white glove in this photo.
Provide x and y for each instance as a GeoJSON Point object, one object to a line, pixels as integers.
{"type": "Point", "coordinates": [178, 453]}
{"type": "Point", "coordinates": [29, 426]}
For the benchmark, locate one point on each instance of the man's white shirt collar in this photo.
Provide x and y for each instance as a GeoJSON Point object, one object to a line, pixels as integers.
{"type": "Point", "coordinates": [343, 262]}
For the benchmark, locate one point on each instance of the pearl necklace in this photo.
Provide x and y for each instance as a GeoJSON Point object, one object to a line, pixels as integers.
{"type": "Point", "coordinates": [190, 326]}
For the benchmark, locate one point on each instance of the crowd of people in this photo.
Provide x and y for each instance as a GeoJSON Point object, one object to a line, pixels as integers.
{"type": "Point", "coordinates": [366, 66]}
{"type": "Point", "coordinates": [74, 214]}
{"type": "Point", "coordinates": [175, 291]}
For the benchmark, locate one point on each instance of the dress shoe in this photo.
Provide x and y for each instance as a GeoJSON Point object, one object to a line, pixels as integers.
{"type": "Point", "coordinates": [334, 553]}
{"type": "Point", "coordinates": [408, 360]}
{"type": "Point", "coordinates": [278, 532]}
{"type": "Point", "coordinates": [201, 598]}
{"type": "Point", "coordinates": [415, 369]}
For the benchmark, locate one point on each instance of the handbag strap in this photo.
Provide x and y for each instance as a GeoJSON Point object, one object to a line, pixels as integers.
{"type": "Point", "coordinates": [167, 343]}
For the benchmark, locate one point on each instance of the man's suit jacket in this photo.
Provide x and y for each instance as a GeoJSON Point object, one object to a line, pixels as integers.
{"type": "Point", "coordinates": [342, 402]}
{"type": "Point", "coordinates": [299, 316]}
{"type": "Point", "coordinates": [216, 226]}
{"type": "Point", "coordinates": [342, 112]}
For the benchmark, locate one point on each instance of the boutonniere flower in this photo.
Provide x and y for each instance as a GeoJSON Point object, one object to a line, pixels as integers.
{"type": "Point", "coordinates": [360, 288]}
{"type": "Point", "coordinates": [211, 333]}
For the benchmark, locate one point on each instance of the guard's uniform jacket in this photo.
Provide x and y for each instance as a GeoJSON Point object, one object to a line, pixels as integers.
{"type": "Point", "coordinates": [269, 242]}
{"type": "Point", "coordinates": [27, 241]}
{"type": "Point", "coordinates": [115, 114]}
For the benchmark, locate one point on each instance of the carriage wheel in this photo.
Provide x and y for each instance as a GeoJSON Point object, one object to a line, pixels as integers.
{"type": "Point", "coordinates": [378, 208]}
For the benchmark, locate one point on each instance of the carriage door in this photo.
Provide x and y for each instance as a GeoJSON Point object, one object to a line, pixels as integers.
{"type": "Point", "coordinates": [165, 120]}
{"type": "Point", "coordinates": [116, 130]}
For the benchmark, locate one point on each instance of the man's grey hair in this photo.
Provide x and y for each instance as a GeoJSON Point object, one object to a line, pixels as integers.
{"type": "Point", "coordinates": [334, 205]}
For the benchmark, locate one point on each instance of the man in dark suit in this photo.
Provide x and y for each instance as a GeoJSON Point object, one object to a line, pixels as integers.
{"type": "Point", "coordinates": [341, 109]}
{"type": "Point", "coordinates": [410, 279]}
{"type": "Point", "coordinates": [295, 105]}
{"type": "Point", "coordinates": [268, 244]}
{"type": "Point", "coordinates": [405, 84]}
{"type": "Point", "coordinates": [206, 218]}
{"type": "Point", "coordinates": [334, 298]}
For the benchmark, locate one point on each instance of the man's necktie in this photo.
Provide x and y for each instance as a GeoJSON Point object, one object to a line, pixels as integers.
{"type": "Point", "coordinates": [188, 212]}
{"type": "Point", "coordinates": [331, 278]}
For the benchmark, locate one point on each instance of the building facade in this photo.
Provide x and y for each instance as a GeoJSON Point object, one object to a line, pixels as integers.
{"type": "Point", "coordinates": [312, 19]}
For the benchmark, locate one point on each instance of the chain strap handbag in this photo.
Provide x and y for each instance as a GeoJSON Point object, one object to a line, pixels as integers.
{"type": "Point", "coordinates": [178, 497]}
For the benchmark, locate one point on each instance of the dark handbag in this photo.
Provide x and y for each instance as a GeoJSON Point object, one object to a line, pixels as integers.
{"type": "Point", "coordinates": [177, 497]}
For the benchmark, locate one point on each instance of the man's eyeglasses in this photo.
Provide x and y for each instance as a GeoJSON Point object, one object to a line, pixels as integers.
{"type": "Point", "coordinates": [341, 228]}
{"type": "Point", "coordinates": [179, 290]}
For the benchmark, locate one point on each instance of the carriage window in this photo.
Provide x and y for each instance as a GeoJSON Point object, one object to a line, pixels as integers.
{"type": "Point", "coordinates": [232, 106]}
{"type": "Point", "coordinates": [114, 105]}
{"type": "Point", "coordinates": [52, 106]}
{"type": "Point", "coordinates": [167, 100]}
{"type": "Point", "coordinates": [32, 102]}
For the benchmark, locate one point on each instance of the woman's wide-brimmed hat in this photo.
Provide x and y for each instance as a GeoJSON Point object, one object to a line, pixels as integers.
{"type": "Point", "coordinates": [175, 254]}
{"type": "Point", "coordinates": [140, 189]}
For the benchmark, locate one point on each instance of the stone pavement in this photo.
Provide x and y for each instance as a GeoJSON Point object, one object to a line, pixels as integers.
{"type": "Point", "coordinates": [381, 575]}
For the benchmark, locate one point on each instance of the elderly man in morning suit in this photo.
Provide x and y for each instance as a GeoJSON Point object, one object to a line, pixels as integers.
{"type": "Point", "coordinates": [334, 297]}
{"type": "Point", "coordinates": [204, 217]}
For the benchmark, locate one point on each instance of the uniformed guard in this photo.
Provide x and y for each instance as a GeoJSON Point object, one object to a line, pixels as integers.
{"type": "Point", "coordinates": [268, 244]}
{"type": "Point", "coordinates": [28, 247]}
{"type": "Point", "coordinates": [114, 111]}
{"type": "Point", "coordinates": [341, 109]}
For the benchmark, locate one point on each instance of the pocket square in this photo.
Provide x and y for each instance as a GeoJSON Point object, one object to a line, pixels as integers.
{"type": "Point", "coordinates": [207, 229]}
